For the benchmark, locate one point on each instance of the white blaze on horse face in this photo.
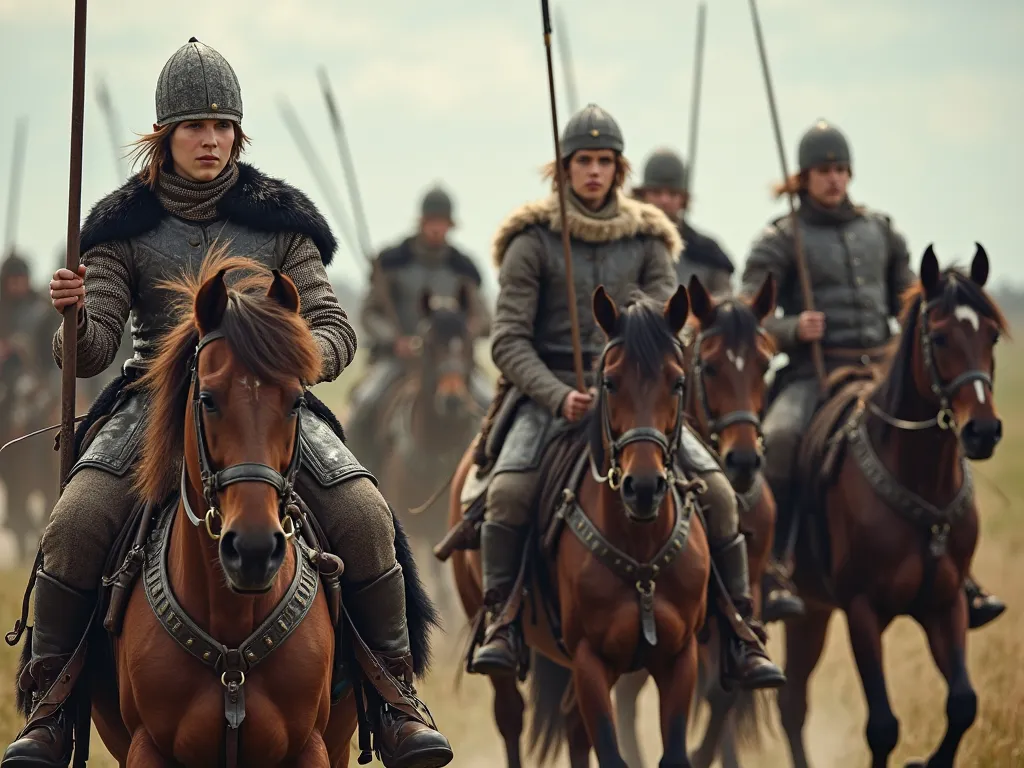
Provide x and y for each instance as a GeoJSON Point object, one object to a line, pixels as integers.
{"type": "Point", "coordinates": [252, 387]}
{"type": "Point", "coordinates": [979, 390]}
{"type": "Point", "coordinates": [968, 315]}
{"type": "Point", "coordinates": [735, 359]}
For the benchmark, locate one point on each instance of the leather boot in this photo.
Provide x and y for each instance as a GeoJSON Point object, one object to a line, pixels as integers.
{"type": "Point", "coordinates": [981, 606]}
{"type": "Point", "coordinates": [400, 739]}
{"type": "Point", "coordinates": [781, 600]}
{"type": "Point", "coordinates": [501, 547]}
{"type": "Point", "coordinates": [746, 661]}
{"type": "Point", "coordinates": [61, 617]}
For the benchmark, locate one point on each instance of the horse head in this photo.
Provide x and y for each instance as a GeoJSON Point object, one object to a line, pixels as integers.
{"type": "Point", "coordinates": [227, 396]}
{"type": "Point", "coordinates": [958, 325]}
{"type": "Point", "coordinates": [727, 362]}
{"type": "Point", "coordinates": [446, 357]}
{"type": "Point", "coordinates": [641, 383]}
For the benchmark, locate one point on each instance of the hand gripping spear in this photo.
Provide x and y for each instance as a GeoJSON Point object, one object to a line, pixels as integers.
{"type": "Point", "coordinates": [570, 285]}
{"type": "Point", "coordinates": [801, 265]}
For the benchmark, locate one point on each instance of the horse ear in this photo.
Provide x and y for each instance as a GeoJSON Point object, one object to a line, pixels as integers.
{"type": "Point", "coordinates": [677, 309]}
{"type": "Point", "coordinates": [929, 271]}
{"type": "Point", "coordinates": [283, 291]}
{"type": "Point", "coordinates": [605, 311]}
{"type": "Point", "coordinates": [211, 303]}
{"type": "Point", "coordinates": [764, 302]}
{"type": "Point", "coordinates": [425, 298]}
{"type": "Point", "coordinates": [979, 266]}
{"type": "Point", "coordinates": [700, 301]}
{"type": "Point", "coordinates": [463, 298]}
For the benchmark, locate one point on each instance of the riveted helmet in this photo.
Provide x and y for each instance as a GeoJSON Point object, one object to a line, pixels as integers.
{"type": "Point", "coordinates": [591, 128]}
{"type": "Point", "coordinates": [436, 205]}
{"type": "Point", "coordinates": [821, 145]}
{"type": "Point", "coordinates": [197, 83]}
{"type": "Point", "coordinates": [664, 170]}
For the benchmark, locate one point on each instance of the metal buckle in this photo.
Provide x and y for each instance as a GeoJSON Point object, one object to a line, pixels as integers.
{"type": "Point", "coordinates": [289, 527]}
{"type": "Point", "coordinates": [615, 478]}
{"type": "Point", "coordinates": [945, 419]}
{"type": "Point", "coordinates": [212, 514]}
{"type": "Point", "coordinates": [232, 684]}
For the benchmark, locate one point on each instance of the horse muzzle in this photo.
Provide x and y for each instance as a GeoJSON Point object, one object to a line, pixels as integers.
{"type": "Point", "coordinates": [251, 559]}
{"type": "Point", "coordinates": [979, 438]}
{"type": "Point", "coordinates": [741, 467]}
{"type": "Point", "coordinates": [642, 496]}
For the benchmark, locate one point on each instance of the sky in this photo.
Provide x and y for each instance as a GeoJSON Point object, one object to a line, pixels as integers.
{"type": "Point", "coordinates": [929, 92]}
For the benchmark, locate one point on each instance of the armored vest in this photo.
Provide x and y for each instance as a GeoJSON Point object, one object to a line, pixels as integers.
{"type": "Point", "coordinates": [849, 272]}
{"type": "Point", "coordinates": [163, 253]}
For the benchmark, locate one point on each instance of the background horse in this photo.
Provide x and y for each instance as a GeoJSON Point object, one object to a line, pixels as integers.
{"type": "Point", "coordinates": [427, 422]}
{"type": "Point", "coordinates": [727, 356]}
{"type": "Point", "coordinates": [634, 430]}
{"type": "Point", "coordinates": [894, 531]}
{"type": "Point", "coordinates": [242, 358]}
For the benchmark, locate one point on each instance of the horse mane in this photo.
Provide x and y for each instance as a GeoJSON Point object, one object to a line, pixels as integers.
{"type": "Point", "coordinates": [956, 289]}
{"type": "Point", "coordinates": [646, 341]}
{"type": "Point", "coordinates": [269, 340]}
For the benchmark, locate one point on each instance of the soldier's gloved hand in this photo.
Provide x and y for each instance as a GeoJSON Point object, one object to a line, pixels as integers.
{"type": "Point", "coordinates": [576, 405]}
{"type": "Point", "coordinates": [810, 326]}
{"type": "Point", "coordinates": [66, 289]}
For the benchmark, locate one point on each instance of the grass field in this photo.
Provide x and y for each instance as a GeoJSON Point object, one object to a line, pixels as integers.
{"type": "Point", "coordinates": [838, 715]}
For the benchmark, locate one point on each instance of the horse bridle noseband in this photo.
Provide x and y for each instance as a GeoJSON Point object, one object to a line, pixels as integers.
{"type": "Point", "coordinates": [944, 391]}
{"type": "Point", "coordinates": [669, 444]}
{"type": "Point", "coordinates": [215, 481]}
{"type": "Point", "coordinates": [716, 426]}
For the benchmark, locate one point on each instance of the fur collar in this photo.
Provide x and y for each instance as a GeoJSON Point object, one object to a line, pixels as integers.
{"type": "Point", "coordinates": [256, 201]}
{"type": "Point", "coordinates": [634, 219]}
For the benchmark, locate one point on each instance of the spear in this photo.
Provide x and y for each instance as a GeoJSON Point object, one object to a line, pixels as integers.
{"type": "Point", "coordinates": [113, 128]}
{"type": "Point", "coordinates": [568, 72]}
{"type": "Point", "coordinates": [698, 76]}
{"type": "Point", "coordinates": [362, 228]}
{"type": "Point", "coordinates": [801, 264]}
{"type": "Point", "coordinates": [570, 286]}
{"type": "Point", "coordinates": [316, 167]}
{"type": "Point", "coordinates": [14, 193]}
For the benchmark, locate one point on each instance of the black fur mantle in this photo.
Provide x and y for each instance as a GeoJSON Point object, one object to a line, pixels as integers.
{"type": "Point", "coordinates": [256, 201]}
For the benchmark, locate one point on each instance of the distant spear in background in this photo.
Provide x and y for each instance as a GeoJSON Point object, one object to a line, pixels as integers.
{"type": "Point", "coordinates": [14, 189]}
{"type": "Point", "coordinates": [698, 72]}
{"type": "Point", "coordinates": [113, 129]}
{"type": "Point", "coordinates": [568, 71]}
{"type": "Point", "coordinates": [316, 167]}
{"type": "Point", "coordinates": [348, 167]}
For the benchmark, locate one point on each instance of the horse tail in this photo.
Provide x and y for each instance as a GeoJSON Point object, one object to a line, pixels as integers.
{"type": "Point", "coordinates": [547, 731]}
{"type": "Point", "coordinates": [752, 717]}
{"type": "Point", "coordinates": [421, 613]}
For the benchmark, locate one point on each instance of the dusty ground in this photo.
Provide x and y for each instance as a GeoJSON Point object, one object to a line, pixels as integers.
{"type": "Point", "coordinates": [838, 715]}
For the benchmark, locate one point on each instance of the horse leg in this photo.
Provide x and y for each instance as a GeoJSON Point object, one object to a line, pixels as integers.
{"type": "Point", "coordinates": [721, 703]}
{"type": "Point", "coordinates": [676, 679]}
{"type": "Point", "coordinates": [508, 714]}
{"type": "Point", "coordinates": [594, 680]}
{"type": "Point", "coordinates": [313, 755]}
{"type": "Point", "coordinates": [577, 740]}
{"type": "Point", "coordinates": [805, 640]}
{"type": "Point", "coordinates": [143, 752]}
{"type": "Point", "coordinates": [947, 637]}
{"type": "Point", "coordinates": [866, 627]}
{"type": "Point", "coordinates": [627, 691]}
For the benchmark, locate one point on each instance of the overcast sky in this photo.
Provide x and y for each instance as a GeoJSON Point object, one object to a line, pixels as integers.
{"type": "Point", "coordinates": [930, 93]}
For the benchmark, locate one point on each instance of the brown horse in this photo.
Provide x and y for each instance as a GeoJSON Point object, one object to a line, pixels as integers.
{"type": "Point", "coordinates": [226, 392]}
{"type": "Point", "coordinates": [611, 621]}
{"type": "Point", "coordinates": [427, 422]}
{"type": "Point", "coordinates": [894, 527]}
{"type": "Point", "coordinates": [727, 356]}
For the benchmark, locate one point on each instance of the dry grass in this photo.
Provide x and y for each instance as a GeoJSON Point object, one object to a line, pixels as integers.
{"type": "Point", "coordinates": [838, 715]}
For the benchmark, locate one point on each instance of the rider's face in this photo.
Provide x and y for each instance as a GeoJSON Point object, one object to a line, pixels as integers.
{"type": "Point", "coordinates": [201, 148]}
{"type": "Point", "coordinates": [671, 201]}
{"type": "Point", "coordinates": [591, 174]}
{"type": "Point", "coordinates": [827, 183]}
{"type": "Point", "coordinates": [435, 230]}
{"type": "Point", "coordinates": [16, 286]}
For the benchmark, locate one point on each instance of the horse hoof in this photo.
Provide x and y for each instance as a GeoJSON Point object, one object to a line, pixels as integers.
{"type": "Point", "coordinates": [917, 764]}
{"type": "Point", "coordinates": [990, 610]}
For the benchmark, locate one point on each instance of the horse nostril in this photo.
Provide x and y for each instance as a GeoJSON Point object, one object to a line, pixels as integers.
{"type": "Point", "coordinates": [628, 487]}
{"type": "Point", "coordinates": [277, 556]}
{"type": "Point", "coordinates": [742, 461]}
{"type": "Point", "coordinates": [660, 486]}
{"type": "Point", "coordinates": [229, 547]}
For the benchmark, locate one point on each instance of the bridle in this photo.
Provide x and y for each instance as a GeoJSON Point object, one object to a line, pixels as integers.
{"type": "Point", "coordinates": [717, 425]}
{"type": "Point", "coordinates": [669, 444]}
{"type": "Point", "coordinates": [215, 481]}
{"type": "Point", "coordinates": [944, 391]}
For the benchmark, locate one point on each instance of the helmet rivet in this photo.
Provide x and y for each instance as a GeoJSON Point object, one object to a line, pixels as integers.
{"type": "Point", "coordinates": [594, 132]}
{"type": "Point", "coordinates": [213, 107]}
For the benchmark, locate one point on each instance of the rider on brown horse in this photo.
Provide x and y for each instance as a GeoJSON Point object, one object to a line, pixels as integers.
{"type": "Point", "coordinates": [859, 268]}
{"type": "Point", "coordinates": [191, 191]}
{"type": "Point", "coordinates": [390, 316]}
{"type": "Point", "coordinates": [623, 245]}
{"type": "Point", "coordinates": [666, 186]}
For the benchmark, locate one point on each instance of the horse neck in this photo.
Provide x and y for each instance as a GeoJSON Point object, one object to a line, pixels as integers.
{"type": "Point", "coordinates": [199, 583]}
{"type": "Point", "coordinates": [641, 541]}
{"type": "Point", "coordinates": [925, 461]}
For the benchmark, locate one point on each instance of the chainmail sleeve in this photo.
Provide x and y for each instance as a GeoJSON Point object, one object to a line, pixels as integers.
{"type": "Point", "coordinates": [319, 306]}
{"type": "Point", "coordinates": [108, 302]}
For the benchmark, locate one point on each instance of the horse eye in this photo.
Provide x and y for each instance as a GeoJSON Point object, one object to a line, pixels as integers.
{"type": "Point", "coordinates": [709, 369]}
{"type": "Point", "coordinates": [680, 385]}
{"type": "Point", "coordinates": [297, 405]}
{"type": "Point", "coordinates": [208, 402]}
{"type": "Point", "coordinates": [995, 337]}
{"type": "Point", "coordinates": [608, 384]}
{"type": "Point", "coordinates": [939, 339]}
